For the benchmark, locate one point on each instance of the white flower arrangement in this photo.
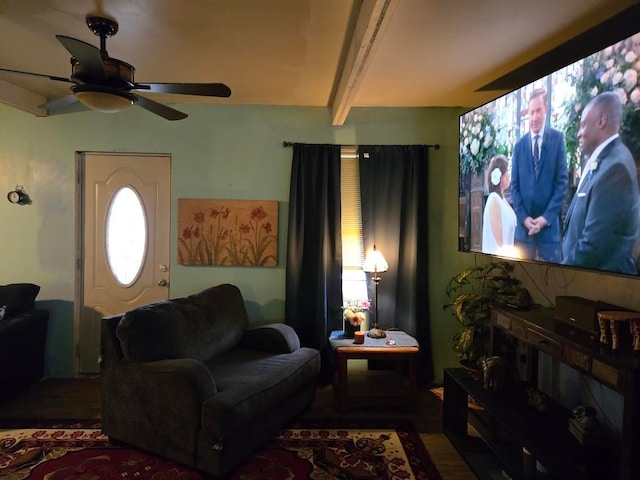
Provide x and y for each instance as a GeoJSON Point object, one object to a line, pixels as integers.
{"type": "Point", "coordinates": [353, 311]}
{"type": "Point", "coordinates": [478, 141]}
{"type": "Point", "coordinates": [613, 69]}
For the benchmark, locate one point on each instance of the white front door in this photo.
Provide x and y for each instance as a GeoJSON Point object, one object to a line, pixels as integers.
{"type": "Point", "coordinates": [124, 220]}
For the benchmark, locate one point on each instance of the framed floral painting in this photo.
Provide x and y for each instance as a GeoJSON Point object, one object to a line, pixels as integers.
{"type": "Point", "coordinates": [227, 232]}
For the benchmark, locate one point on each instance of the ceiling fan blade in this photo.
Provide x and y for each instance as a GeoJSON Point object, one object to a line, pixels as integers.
{"type": "Point", "coordinates": [50, 77]}
{"type": "Point", "coordinates": [159, 109]}
{"type": "Point", "coordinates": [203, 89]}
{"type": "Point", "coordinates": [59, 103]}
{"type": "Point", "coordinates": [88, 55]}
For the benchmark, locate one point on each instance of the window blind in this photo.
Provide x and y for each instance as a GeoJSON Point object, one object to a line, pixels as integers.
{"type": "Point", "coordinates": [352, 239]}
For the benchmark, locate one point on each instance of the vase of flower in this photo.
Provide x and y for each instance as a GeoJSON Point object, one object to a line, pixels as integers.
{"type": "Point", "coordinates": [353, 317]}
{"type": "Point", "coordinates": [350, 330]}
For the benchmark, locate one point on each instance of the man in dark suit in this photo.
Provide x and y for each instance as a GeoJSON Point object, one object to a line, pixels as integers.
{"type": "Point", "coordinates": [539, 182]}
{"type": "Point", "coordinates": [603, 220]}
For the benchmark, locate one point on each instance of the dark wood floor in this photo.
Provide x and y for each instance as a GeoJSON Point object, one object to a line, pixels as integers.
{"type": "Point", "coordinates": [80, 398]}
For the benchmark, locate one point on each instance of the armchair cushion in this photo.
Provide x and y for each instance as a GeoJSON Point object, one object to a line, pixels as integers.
{"type": "Point", "coordinates": [251, 384]}
{"type": "Point", "coordinates": [200, 326]}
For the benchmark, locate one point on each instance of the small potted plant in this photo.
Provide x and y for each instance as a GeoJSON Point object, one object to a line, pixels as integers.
{"type": "Point", "coordinates": [472, 292]}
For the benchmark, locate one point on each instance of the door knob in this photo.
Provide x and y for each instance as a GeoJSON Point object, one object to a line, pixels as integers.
{"type": "Point", "coordinates": [163, 283]}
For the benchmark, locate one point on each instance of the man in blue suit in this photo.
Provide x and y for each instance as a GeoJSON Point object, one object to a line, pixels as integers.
{"type": "Point", "coordinates": [603, 221]}
{"type": "Point", "coordinates": [539, 182]}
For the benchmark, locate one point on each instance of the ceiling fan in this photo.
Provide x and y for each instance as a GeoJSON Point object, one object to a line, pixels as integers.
{"type": "Point", "coordinates": [107, 84]}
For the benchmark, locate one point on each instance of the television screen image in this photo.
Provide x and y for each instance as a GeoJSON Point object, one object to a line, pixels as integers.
{"type": "Point", "coordinates": [549, 172]}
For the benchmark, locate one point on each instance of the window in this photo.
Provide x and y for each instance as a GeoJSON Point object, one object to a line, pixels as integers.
{"type": "Point", "coordinates": [354, 281]}
{"type": "Point", "coordinates": [126, 236]}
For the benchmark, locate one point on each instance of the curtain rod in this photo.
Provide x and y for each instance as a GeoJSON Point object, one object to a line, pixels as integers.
{"type": "Point", "coordinates": [435, 146]}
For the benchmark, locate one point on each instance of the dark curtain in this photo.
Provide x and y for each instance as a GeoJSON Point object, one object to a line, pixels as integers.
{"type": "Point", "coordinates": [314, 248]}
{"type": "Point", "coordinates": [393, 188]}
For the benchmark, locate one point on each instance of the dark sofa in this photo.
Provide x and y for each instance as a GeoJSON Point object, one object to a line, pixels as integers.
{"type": "Point", "coordinates": [23, 334]}
{"type": "Point", "coordinates": [187, 379]}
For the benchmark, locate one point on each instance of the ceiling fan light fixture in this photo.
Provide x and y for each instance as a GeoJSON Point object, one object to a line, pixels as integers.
{"type": "Point", "coordinates": [103, 99]}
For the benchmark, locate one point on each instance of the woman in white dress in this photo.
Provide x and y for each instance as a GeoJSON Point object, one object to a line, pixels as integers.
{"type": "Point", "coordinates": [499, 219]}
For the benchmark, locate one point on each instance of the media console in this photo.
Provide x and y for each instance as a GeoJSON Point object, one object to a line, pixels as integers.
{"type": "Point", "coordinates": [507, 424]}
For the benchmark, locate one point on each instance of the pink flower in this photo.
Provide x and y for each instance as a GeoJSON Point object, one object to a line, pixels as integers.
{"type": "Point", "coordinates": [258, 213]}
{"type": "Point", "coordinates": [223, 212]}
{"type": "Point", "coordinates": [199, 217]}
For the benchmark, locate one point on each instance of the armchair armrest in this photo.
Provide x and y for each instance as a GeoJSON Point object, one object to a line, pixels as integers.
{"type": "Point", "coordinates": [145, 403]}
{"type": "Point", "coordinates": [198, 377]}
{"type": "Point", "coordinates": [272, 338]}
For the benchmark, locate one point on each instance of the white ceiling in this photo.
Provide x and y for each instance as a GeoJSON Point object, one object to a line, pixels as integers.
{"type": "Point", "coordinates": [336, 53]}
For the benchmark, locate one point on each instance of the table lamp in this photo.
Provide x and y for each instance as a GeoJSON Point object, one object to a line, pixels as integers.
{"type": "Point", "coordinates": [375, 264]}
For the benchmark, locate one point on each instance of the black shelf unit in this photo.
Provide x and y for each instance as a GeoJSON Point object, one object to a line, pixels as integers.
{"type": "Point", "coordinates": [506, 424]}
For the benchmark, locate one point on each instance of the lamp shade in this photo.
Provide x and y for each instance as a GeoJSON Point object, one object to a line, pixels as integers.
{"type": "Point", "coordinates": [375, 262]}
{"type": "Point", "coordinates": [103, 99]}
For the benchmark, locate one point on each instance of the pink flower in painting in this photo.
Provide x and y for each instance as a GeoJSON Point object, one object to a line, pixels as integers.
{"type": "Point", "coordinates": [244, 229]}
{"type": "Point", "coordinates": [258, 214]}
{"type": "Point", "coordinates": [199, 217]}
{"type": "Point", "coordinates": [221, 212]}
{"type": "Point", "coordinates": [186, 233]}
{"type": "Point", "coordinates": [267, 227]}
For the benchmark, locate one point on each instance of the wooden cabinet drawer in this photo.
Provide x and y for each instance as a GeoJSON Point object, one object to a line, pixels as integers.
{"type": "Point", "coordinates": [606, 374]}
{"type": "Point", "coordinates": [577, 359]}
{"type": "Point", "coordinates": [544, 343]}
{"type": "Point", "coordinates": [503, 321]}
{"type": "Point", "coordinates": [519, 329]}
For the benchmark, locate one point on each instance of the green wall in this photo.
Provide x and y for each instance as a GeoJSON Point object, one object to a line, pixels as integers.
{"type": "Point", "coordinates": [217, 152]}
{"type": "Point", "coordinates": [236, 152]}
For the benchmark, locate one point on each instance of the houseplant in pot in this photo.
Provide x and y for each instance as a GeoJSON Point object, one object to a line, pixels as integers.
{"type": "Point", "coordinates": [471, 293]}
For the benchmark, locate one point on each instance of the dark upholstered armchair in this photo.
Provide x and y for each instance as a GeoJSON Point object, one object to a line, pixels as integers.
{"type": "Point", "coordinates": [188, 380]}
{"type": "Point", "coordinates": [23, 335]}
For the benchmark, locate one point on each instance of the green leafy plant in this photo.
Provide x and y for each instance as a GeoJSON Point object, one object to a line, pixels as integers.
{"type": "Point", "coordinates": [472, 292]}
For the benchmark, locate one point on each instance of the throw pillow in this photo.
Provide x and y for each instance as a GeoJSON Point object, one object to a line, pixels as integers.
{"type": "Point", "coordinates": [18, 297]}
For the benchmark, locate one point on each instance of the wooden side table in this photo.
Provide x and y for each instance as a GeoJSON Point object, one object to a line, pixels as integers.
{"type": "Point", "coordinates": [405, 348]}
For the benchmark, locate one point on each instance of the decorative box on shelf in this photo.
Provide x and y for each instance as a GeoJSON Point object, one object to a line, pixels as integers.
{"type": "Point", "coordinates": [588, 438]}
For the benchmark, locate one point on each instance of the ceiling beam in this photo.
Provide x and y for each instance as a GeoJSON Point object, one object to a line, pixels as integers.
{"type": "Point", "coordinates": [22, 98]}
{"type": "Point", "coordinates": [372, 20]}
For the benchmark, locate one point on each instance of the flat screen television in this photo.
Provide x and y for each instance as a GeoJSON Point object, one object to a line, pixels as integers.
{"type": "Point", "coordinates": [607, 237]}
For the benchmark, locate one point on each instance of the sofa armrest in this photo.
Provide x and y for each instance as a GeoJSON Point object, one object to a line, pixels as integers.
{"type": "Point", "coordinates": [182, 381]}
{"type": "Point", "coordinates": [22, 349]}
{"type": "Point", "coordinates": [29, 322]}
{"type": "Point", "coordinates": [272, 338]}
{"type": "Point", "coordinates": [197, 375]}
{"type": "Point", "coordinates": [156, 405]}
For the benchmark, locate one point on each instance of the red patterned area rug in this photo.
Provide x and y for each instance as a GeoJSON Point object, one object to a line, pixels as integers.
{"type": "Point", "coordinates": [311, 449]}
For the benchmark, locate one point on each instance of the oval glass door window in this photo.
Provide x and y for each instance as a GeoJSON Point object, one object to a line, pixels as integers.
{"type": "Point", "coordinates": [126, 236]}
